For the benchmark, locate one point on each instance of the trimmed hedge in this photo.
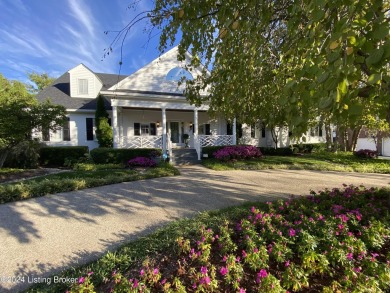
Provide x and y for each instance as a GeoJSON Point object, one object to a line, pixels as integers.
{"type": "Point", "coordinates": [121, 156]}
{"type": "Point", "coordinates": [267, 151]}
{"type": "Point", "coordinates": [210, 150]}
{"type": "Point", "coordinates": [57, 156]}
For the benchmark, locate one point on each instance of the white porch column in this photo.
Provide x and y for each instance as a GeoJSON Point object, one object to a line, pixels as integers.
{"type": "Point", "coordinates": [234, 132]}
{"type": "Point", "coordinates": [164, 129]}
{"type": "Point", "coordinates": [195, 122]}
{"type": "Point", "coordinates": [115, 129]}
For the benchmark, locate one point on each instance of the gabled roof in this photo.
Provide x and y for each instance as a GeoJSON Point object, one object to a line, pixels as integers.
{"type": "Point", "coordinates": [153, 76]}
{"type": "Point", "coordinates": [59, 92]}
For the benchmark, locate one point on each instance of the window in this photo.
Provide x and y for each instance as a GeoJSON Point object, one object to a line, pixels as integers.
{"type": "Point", "coordinates": [83, 86]}
{"type": "Point", "coordinates": [253, 131]}
{"type": "Point", "coordinates": [145, 129]}
{"type": "Point", "coordinates": [263, 131]}
{"type": "Point", "coordinates": [90, 123]}
{"type": "Point", "coordinates": [204, 129]}
{"type": "Point", "coordinates": [178, 73]}
{"type": "Point", "coordinates": [229, 129]}
{"type": "Point", "coordinates": [60, 134]}
{"type": "Point", "coordinates": [66, 130]}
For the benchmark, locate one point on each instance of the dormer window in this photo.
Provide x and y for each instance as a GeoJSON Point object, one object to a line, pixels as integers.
{"type": "Point", "coordinates": [83, 86]}
{"type": "Point", "coordinates": [178, 73]}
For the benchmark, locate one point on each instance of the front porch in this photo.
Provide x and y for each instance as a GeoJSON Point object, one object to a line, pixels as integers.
{"type": "Point", "coordinates": [166, 129]}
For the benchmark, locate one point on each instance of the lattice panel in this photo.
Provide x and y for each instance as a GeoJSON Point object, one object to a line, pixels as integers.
{"type": "Point", "coordinates": [139, 142]}
{"type": "Point", "coordinates": [215, 140]}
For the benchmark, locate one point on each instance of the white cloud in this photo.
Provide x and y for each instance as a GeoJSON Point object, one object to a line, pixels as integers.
{"type": "Point", "coordinates": [83, 14]}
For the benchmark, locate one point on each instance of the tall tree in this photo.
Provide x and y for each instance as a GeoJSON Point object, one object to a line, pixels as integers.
{"type": "Point", "coordinates": [41, 81]}
{"type": "Point", "coordinates": [313, 55]}
{"type": "Point", "coordinates": [20, 114]}
{"type": "Point", "coordinates": [104, 132]}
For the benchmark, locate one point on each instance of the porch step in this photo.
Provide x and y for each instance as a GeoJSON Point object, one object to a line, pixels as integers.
{"type": "Point", "coordinates": [184, 157]}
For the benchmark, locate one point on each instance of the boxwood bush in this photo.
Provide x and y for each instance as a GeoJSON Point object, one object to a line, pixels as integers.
{"type": "Point", "coordinates": [268, 151]}
{"type": "Point", "coordinates": [57, 156]}
{"type": "Point", "coordinates": [210, 150]}
{"type": "Point", "coordinates": [121, 156]}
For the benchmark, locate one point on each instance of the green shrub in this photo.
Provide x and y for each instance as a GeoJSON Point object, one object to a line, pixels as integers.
{"type": "Point", "coordinates": [121, 156]}
{"type": "Point", "coordinates": [268, 151]}
{"type": "Point", "coordinates": [210, 150]}
{"type": "Point", "coordinates": [24, 155]}
{"type": "Point", "coordinates": [58, 156]}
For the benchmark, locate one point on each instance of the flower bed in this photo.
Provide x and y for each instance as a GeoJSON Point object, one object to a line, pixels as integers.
{"type": "Point", "coordinates": [141, 162]}
{"type": "Point", "coordinates": [366, 153]}
{"type": "Point", "coordinates": [240, 152]}
{"type": "Point", "coordinates": [334, 240]}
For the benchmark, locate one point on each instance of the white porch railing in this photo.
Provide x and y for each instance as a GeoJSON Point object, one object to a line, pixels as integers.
{"type": "Point", "coordinates": [138, 142]}
{"type": "Point", "coordinates": [211, 140]}
{"type": "Point", "coordinates": [215, 140]}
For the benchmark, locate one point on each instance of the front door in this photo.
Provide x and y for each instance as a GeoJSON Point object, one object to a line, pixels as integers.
{"type": "Point", "coordinates": [174, 128]}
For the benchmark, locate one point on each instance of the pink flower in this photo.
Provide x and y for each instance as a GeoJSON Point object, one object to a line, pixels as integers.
{"type": "Point", "coordinates": [203, 270]}
{"type": "Point", "coordinates": [142, 272]}
{"type": "Point", "coordinates": [155, 271]}
{"type": "Point", "coordinates": [81, 280]}
{"type": "Point", "coordinates": [350, 256]}
{"type": "Point", "coordinates": [261, 275]}
{"type": "Point", "coordinates": [291, 232]}
{"type": "Point", "coordinates": [135, 284]}
{"type": "Point", "coordinates": [90, 273]}
{"type": "Point", "coordinates": [242, 290]}
{"type": "Point", "coordinates": [287, 263]}
{"type": "Point", "coordinates": [163, 281]}
{"type": "Point", "coordinates": [205, 280]}
{"type": "Point", "coordinates": [223, 271]}
{"type": "Point", "coordinates": [244, 255]}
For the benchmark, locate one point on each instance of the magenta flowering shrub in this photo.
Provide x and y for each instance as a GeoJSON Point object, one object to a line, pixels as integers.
{"type": "Point", "coordinates": [141, 162]}
{"type": "Point", "coordinates": [239, 152]}
{"type": "Point", "coordinates": [366, 153]}
{"type": "Point", "coordinates": [333, 240]}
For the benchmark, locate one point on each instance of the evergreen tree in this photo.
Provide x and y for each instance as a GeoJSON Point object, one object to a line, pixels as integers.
{"type": "Point", "coordinates": [104, 133]}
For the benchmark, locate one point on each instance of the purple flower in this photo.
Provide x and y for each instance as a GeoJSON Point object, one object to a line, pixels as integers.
{"type": "Point", "coordinates": [142, 162]}
{"type": "Point", "coordinates": [223, 271]}
{"type": "Point", "coordinates": [135, 284]}
{"type": "Point", "coordinates": [287, 263]}
{"type": "Point", "coordinates": [350, 256]}
{"type": "Point", "coordinates": [291, 232]}
{"type": "Point", "coordinates": [81, 280]}
{"type": "Point", "coordinates": [242, 290]}
{"type": "Point", "coordinates": [244, 255]}
{"type": "Point", "coordinates": [203, 270]}
{"type": "Point", "coordinates": [142, 272]}
{"type": "Point", "coordinates": [155, 271]}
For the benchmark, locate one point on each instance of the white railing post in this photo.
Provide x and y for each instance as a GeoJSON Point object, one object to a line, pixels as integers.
{"type": "Point", "coordinates": [164, 129]}
{"type": "Point", "coordinates": [234, 131]}
{"type": "Point", "coordinates": [115, 126]}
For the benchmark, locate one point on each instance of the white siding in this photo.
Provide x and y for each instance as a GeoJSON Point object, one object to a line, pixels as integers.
{"type": "Point", "coordinates": [386, 147]}
{"type": "Point", "coordinates": [82, 72]}
{"type": "Point", "coordinates": [365, 143]}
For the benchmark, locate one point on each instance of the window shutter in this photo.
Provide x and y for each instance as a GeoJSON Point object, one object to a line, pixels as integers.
{"type": "Point", "coordinates": [89, 123]}
{"type": "Point", "coordinates": [207, 130]}
{"type": "Point", "coordinates": [66, 130]}
{"type": "Point", "coordinates": [263, 131]}
{"type": "Point", "coordinates": [229, 129]}
{"type": "Point", "coordinates": [137, 129]}
{"type": "Point", "coordinates": [153, 129]}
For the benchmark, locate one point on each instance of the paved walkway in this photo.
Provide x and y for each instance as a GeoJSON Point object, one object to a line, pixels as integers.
{"type": "Point", "coordinates": [42, 236]}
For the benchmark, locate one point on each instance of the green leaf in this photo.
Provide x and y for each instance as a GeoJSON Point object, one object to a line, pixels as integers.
{"type": "Point", "coordinates": [374, 78]}
{"type": "Point", "coordinates": [375, 56]}
{"type": "Point", "coordinates": [381, 32]}
{"type": "Point", "coordinates": [356, 109]}
{"type": "Point", "coordinates": [343, 87]}
{"type": "Point", "coordinates": [351, 40]}
{"type": "Point", "coordinates": [325, 103]}
{"type": "Point", "coordinates": [323, 77]}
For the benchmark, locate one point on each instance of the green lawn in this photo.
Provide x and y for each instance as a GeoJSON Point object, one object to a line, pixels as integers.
{"type": "Point", "coordinates": [341, 162]}
{"type": "Point", "coordinates": [86, 177]}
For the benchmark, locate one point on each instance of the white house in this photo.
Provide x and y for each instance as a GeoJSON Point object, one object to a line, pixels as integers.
{"type": "Point", "coordinates": [147, 109]}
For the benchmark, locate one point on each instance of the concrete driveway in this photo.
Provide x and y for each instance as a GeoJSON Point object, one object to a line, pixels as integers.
{"type": "Point", "coordinates": [42, 236]}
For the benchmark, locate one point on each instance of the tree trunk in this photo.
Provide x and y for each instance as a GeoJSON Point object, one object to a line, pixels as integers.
{"type": "Point", "coordinates": [328, 136]}
{"type": "Point", "coordinates": [274, 137]}
{"type": "Point", "coordinates": [3, 156]}
{"type": "Point", "coordinates": [352, 138]}
{"type": "Point", "coordinates": [340, 139]}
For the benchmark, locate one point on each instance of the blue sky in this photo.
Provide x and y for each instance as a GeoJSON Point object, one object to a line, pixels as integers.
{"type": "Point", "coordinates": [54, 36]}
